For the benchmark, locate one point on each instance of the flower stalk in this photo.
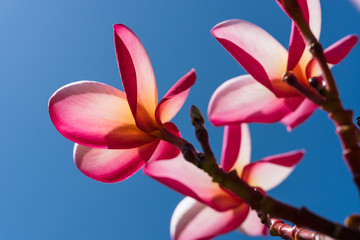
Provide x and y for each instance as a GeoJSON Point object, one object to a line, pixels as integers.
{"type": "Point", "coordinates": [285, 231]}
{"type": "Point", "coordinates": [254, 197]}
{"type": "Point", "coordinates": [343, 119]}
{"type": "Point", "coordinates": [291, 80]}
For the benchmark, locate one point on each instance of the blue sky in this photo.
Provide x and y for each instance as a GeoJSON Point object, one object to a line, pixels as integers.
{"type": "Point", "coordinates": [47, 44]}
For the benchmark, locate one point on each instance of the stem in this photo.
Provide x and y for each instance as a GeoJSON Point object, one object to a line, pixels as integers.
{"type": "Point", "coordinates": [294, 10]}
{"type": "Point", "coordinates": [197, 120]}
{"type": "Point", "coordinates": [343, 119]}
{"type": "Point", "coordinates": [252, 196]}
{"type": "Point", "coordinates": [285, 231]}
{"type": "Point", "coordinates": [291, 80]}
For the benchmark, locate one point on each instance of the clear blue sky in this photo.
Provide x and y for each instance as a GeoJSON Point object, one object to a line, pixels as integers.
{"type": "Point", "coordinates": [47, 44]}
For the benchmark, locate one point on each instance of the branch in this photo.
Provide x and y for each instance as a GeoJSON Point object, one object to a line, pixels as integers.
{"type": "Point", "coordinates": [343, 119]}
{"type": "Point", "coordinates": [285, 231]}
{"type": "Point", "coordinates": [252, 196]}
{"type": "Point", "coordinates": [197, 120]}
{"type": "Point", "coordinates": [291, 80]}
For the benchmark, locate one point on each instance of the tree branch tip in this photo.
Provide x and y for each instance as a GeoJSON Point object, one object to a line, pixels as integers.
{"type": "Point", "coordinates": [196, 115]}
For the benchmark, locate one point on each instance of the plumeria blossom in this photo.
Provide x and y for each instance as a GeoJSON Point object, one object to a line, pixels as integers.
{"type": "Point", "coordinates": [116, 132]}
{"type": "Point", "coordinates": [209, 210]}
{"type": "Point", "coordinates": [262, 96]}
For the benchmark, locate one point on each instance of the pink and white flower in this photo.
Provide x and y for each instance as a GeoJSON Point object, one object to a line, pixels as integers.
{"type": "Point", "coordinates": [117, 132]}
{"type": "Point", "coordinates": [261, 96]}
{"type": "Point", "coordinates": [209, 210]}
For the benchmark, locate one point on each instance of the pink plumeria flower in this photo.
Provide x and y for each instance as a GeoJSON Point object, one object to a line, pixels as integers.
{"type": "Point", "coordinates": [208, 210]}
{"type": "Point", "coordinates": [261, 96]}
{"type": "Point", "coordinates": [116, 132]}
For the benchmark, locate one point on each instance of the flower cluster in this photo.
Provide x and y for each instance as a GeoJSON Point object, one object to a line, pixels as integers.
{"type": "Point", "coordinates": [209, 210]}
{"type": "Point", "coordinates": [116, 133]}
{"type": "Point", "coordinates": [262, 96]}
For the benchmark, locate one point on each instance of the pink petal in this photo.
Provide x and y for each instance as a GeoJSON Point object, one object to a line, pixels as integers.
{"type": "Point", "coordinates": [137, 76]}
{"type": "Point", "coordinates": [303, 112]}
{"type": "Point", "coordinates": [189, 180]}
{"type": "Point", "coordinates": [242, 99]}
{"type": "Point", "coordinates": [193, 220]}
{"type": "Point", "coordinates": [315, 17]}
{"type": "Point", "coordinates": [95, 115]}
{"type": "Point", "coordinates": [271, 171]}
{"type": "Point", "coordinates": [312, 13]}
{"type": "Point", "coordinates": [236, 147]}
{"type": "Point", "coordinates": [333, 54]}
{"type": "Point", "coordinates": [111, 165]}
{"type": "Point", "coordinates": [297, 44]}
{"type": "Point", "coordinates": [252, 225]}
{"type": "Point", "coordinates": [174, 99]}
{"type": "Point", "coordinates": [340, 49]}
{"type": "Point", "coordinates": [315, 26]}
{"type": "Point", "coordinates": [296, 47]}
{"type": "Point", "coordinates": [256, 50]}
{"type": "Point", "coordinates": [313, 69]}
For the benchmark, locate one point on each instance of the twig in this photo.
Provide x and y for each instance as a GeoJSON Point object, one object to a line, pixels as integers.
{"type": "Point", "coordinates": [291, 80]}
{"type": "Point", "coordinates": [255, 198]}
{"type": "Point", "coordinates": [197, 120]}
{"type": "Point", "coordinates": [285, 231]}
{"type": "Point", "coordinates": [343, 119]}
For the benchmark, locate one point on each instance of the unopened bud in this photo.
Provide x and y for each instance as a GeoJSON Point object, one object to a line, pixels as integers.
{"type": "Point", "coordinates": [196, 115]}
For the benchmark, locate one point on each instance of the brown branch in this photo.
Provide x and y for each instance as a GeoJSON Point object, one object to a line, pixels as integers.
{"type": "Point", "coordinates": [255, 198]}
{"type": "Point", "coordinates": [285, 231]}
{"type": "Point", "coordinates": [291, 80]}
{"type": "Point", "coordinates": [197, 120]}
{"type": "Point", "coordinates": [343, 119]}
